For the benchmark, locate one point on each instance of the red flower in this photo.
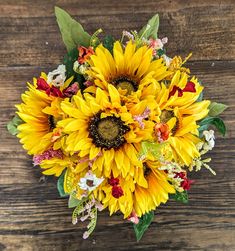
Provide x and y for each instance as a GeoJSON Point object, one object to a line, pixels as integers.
{"type": "Point", "coordinates": [174, 90]}
{"type": "Point", "coordinates": [56, 92]}
{"type": "Point", "coordinates": [84, 54]}
{"type": "Point", "coordinates": [42, 85]}
{"type": "Point", "coordinates": [190, 87]}
{"type": "Point", "coordinates": [181, 175]}
{"type": "Point", "coordinates": [113, 181]}
{"type": "Point", "coordinates": [117, 192]}
{"type": "Point", "coordinates": [185, 183]}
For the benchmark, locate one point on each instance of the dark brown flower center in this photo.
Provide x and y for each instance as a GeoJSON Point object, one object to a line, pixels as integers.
{"type": "Point", "coordinates": [51, 122]}
{"type": "Point", "coordinates": [107, 132]}
{"type": "Point", "coordinates": [125, 84]}
{"type": "Point", "coordinates": [90, 183]}
{"type": "Point", "coordinates": [147, 170]}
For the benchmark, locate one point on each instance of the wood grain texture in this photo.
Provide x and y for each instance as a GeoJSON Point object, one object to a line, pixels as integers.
{"type": "Point", "coordinates": [32, 216]}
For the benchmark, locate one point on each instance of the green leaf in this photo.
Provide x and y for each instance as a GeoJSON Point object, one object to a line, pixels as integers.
{"type": "Point", "coordinates": [143, 225]}
{"type": "Point", "coordinates": [13, 124]}
{"type": "Point", "coordinates": [73, 201]}
{"type": "Point", "coordinates": [215, 121]}
{"type": "Point", "coordinates": [161, 52]}
{"type": "Point", "coordinates": [60, 185]}
{"type": "Point", "coordinates": [216, 108]}
{"type": "Point", "coordinates": [150, 30]}
{"type": "Point", "coordinates": [68, 61]}
{"type": "Point", "coordinates": [72, 32]}
{"type": "Point", "coordinates": [108, 43]}
{"type": "Point", "coordinates": [181, 197]}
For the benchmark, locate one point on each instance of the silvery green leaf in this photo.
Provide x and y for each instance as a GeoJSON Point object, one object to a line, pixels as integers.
{"type": "Point", "coordinates": [150, 30]}
{"type": "Point", "coordinates": [73, 201]}
{"type": "Point", "coordinates": [13, 124]}
{"type": "Point", "coordinates": [72, 32]}
{"type": "Point", "coordinates": [216, 108]}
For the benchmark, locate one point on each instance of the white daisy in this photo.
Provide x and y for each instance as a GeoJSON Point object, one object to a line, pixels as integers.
{"type": "Point", "coordinates": [90, 182]}
{"type": "Point", "coordinates": [57, 77]}
{"type": "Point", "coordinates": [210, 138]}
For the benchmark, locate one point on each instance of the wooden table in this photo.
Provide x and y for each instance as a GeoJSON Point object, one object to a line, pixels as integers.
{"type": "Point", "coordinates": [32, 216]}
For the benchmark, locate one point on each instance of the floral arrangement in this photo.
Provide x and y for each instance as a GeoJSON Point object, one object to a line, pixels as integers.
{"type": "Point", "coordinates": [119, 123]}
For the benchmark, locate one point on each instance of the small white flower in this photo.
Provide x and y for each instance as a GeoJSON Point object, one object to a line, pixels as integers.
{"type": "Point", "coordinates": [82, 69]}
{"type": "Point", "coordinates": [167, 60]}
{"type": "Point", "coordinates": [199, 145]}
{"type": "Point", "coordinates": [164, 40]}
{"type": "Point", "coordinates": [57, 77]}
{"type": "Point", "coordinates": [128, 35]}
{"type": "Point", "coordinates": [76, 66]}
{"type": "Point", "coordinates": [90, 182]}
{"type": "Point", "coordinates": [210, 138]}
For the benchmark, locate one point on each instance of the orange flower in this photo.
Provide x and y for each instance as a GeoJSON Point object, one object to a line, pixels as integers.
{"type": "Point", "coordinates": [84, 54]}
{"type": "Point", "coordinates": [162, 132]}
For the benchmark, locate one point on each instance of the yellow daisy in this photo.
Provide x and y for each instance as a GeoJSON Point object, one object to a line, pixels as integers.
{"type": "Point", "coordinates": [128, 69]}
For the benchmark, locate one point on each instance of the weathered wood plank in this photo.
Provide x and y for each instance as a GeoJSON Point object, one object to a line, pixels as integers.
{"type": "Point", "coordinates": [38, 213]}
{"type": "Point", "coordinates": [32, 216]}
{"type": "Point", "coordinates": [30, 36]}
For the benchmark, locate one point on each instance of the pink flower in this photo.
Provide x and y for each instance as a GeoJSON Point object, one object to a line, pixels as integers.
{"type": "Point", "coordinates": [141, 117]}
{"type": "Point", "coordinates": [49, 154]}
{"type": "Point", "coordinates": [133, 218]}
{"type": "Point", "coordinates": [71, 90]}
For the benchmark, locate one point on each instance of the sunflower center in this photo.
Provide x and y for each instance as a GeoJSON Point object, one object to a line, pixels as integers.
{"type": "Point", "coordinates": [108, 129]}
{"type": "Point", "coordinates": [52, 122]}
{"type": "Point", "coordinates": [147, 170]}
{"type": "Point", "coordinates": [107, 132]}
{"type": "Point", "coordinates": [125, 84]}
{"type": "Point", "coordinates": [166, 116]}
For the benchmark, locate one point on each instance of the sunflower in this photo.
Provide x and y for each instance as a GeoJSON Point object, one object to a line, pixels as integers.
{"type": "Point", "coordinates": [141, 193]}
{"type": "Point", "coordinates": [125, 202]}
{"type": "Point", "coordinates": [56, 164]}
{"type": "Point", "coordinates": [40, 112]}
{"type": "Point", "coordinates": [147, 198]}
{"type": "Point", "coordinates": [104, 130]}
{"type": "Point", "coordinates": [180, 110]}
{"type": "Point", "coordinates": [128, 69]}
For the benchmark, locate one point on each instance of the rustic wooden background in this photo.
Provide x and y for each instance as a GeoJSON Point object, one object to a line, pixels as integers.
{"type": "Point", "coordinates": [32, 216]}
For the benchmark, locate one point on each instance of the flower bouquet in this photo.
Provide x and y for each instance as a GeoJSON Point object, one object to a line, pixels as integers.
{"type": "Point", "coordinates": [119, 123]}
